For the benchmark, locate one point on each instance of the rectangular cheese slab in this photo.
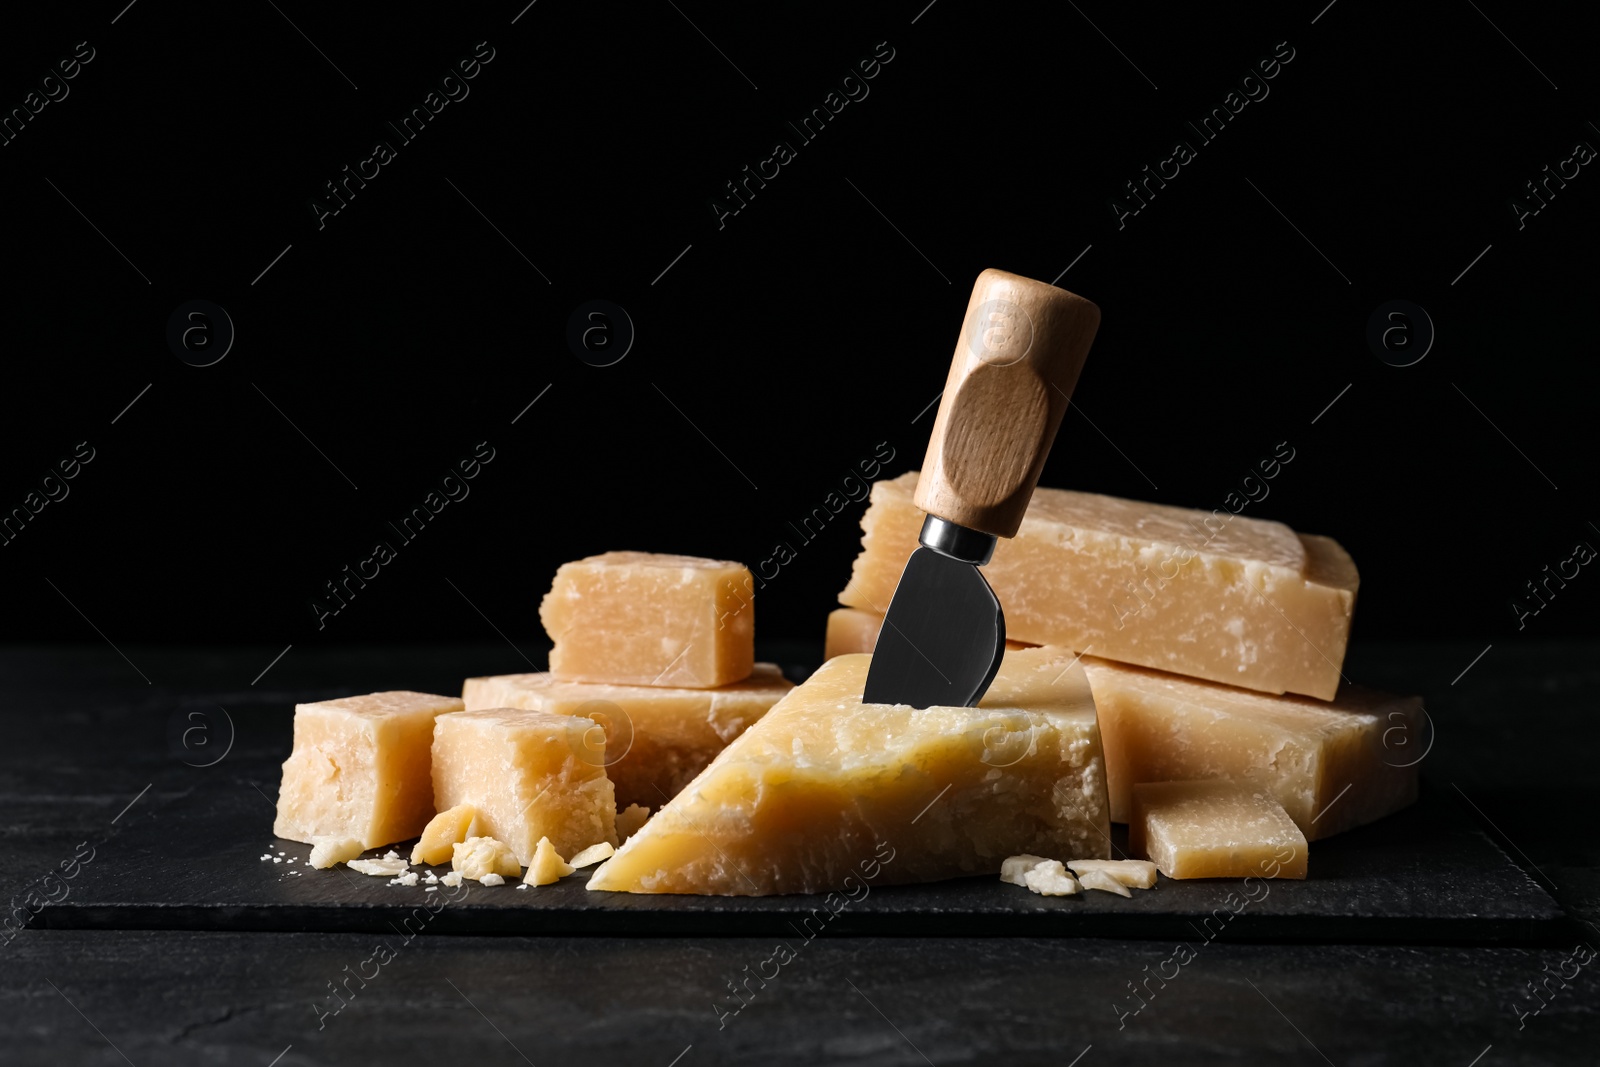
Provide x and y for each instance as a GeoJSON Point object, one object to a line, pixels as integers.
{"type": "Point", "coordinates": [826, 793]}
{"type": "Point", "coordinates": [527, 774]}
{"type": "Point", "coordinates": [1332, 765]}
{"type": "Point", "coordinates": [1212, 595]}
{"type": "Point", "coordinates": [1215, 828]}
{"type": "Point", "coordinates": [640, 618]}
{"type": "Point", "coordinates": [360, 768]}
{"type": "Point", "coordinates": [657, 739]}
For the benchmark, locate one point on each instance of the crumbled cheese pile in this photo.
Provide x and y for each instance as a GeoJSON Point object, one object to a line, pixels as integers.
{"type": "Point", "coordinates": [485, 857]}
{"type": "Point", "coordinates": [1050, 878]}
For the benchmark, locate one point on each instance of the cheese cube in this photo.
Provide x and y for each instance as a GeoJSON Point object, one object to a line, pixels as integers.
{"type": "Point", "coordinates": [826, 791]}
{"type": "Point", "coordinates": [1214, 828]}
{"type": "Point", "coordinates": [851, 630]}
{"type": "Point", "coordinates": [639, 618]}
{"type": "Point", "coordinates": [528, 774]}
{"type": "Point", "coordinates": [1331, 765]}
{"type": "Point", "coordinates": [1213, 595]}
{"type": "Point", "coordinates": [657, 739]}
{"type": "Point", "coordinates": [360, 768]}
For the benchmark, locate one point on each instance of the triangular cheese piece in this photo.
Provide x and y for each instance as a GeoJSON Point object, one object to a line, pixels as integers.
{"type": "Point", "coordinates": [827, 793]}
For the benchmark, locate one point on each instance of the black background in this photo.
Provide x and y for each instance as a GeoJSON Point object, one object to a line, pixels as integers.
{"type": "Point", "coordinates": [811, 327]}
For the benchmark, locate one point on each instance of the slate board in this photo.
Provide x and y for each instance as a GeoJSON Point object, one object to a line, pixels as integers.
{"type": "Point", "coordinates": [1427, 874]}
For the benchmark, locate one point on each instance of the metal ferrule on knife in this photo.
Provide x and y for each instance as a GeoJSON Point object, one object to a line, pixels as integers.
{"type": "Point", "coordinates": [956, 541]}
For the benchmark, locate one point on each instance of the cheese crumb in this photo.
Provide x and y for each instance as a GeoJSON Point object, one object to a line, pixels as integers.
{"type": "Point", "coordinates": [1015, 868]}
{"type": "Point", "coordinates": [630, 820]}
{"type": "Point", "coordinates": [592, 854]}
{"type": "Point", "coordinates": [386, 868]}
{"type": "Point", "coordinates": [430, 878]}
{"type": "Point", "coordinates": [327, 851]}
{"type": "Point", "coordinates": [1046, 877]}
{"type": "Point", "coordinates": [443, 831]}
{"type": "Point", "coordinates": [1051, 879]}
{"type": "Point", "coordinates": [452, 879]}
{"type": "Point", "coordinates": [409, 878]}
{"type": "Point", "coordinates": [391, 855]}
{"type": "Point", "coordinates": [480, 857]}
{"type": "Point", "coordinates": [1136, 874]}
{"type": "Point", "coordinates": [1104, 882]}
{"type": "Point", "coordinates": [492, 879]}
{"type": "Point", "coordinates": [547, 865]}
{"type": "Point", "coordinates": [431, 889]}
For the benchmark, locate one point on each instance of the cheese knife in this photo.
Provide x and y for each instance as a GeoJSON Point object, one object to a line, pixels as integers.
{"type": "Point", "coordinates": [1021, 347]}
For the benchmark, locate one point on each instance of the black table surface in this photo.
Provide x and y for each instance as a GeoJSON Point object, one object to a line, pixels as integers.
{"type": "Point", "coordinates": [97, 740]}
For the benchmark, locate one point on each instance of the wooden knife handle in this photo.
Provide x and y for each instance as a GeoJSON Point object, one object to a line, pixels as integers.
{"type": "Point", "coordinates": [1022, 345]}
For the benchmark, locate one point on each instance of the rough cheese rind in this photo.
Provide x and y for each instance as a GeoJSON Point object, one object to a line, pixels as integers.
{"type": "Point", "coordinates": [1231, 599]}
{"type": "Point", "coordinates": [1332, 765]}
{"type": "Point", "coordinates": [360, 768]}
{"type": "Point", "coordinates": [825, 788]}
{"type": "Point", "coordinates": [642, 618]}
{"type": "Point", "coordinates": [657, 738]}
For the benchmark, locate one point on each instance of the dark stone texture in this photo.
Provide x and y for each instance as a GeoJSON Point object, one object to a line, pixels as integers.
{"type": "Point", "coordinates": [1426, 874]}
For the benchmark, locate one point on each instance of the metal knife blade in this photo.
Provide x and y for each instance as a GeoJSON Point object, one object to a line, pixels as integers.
{"type": "Point", "coordinates": [944, 634]}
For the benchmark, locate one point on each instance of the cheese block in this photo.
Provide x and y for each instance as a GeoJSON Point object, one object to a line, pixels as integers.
{"type": "Point", "coordinates": [1215, 828]}
{"type": "Point", "coordinates": [854, 630]}
{"type": "Point", "coordinates": [657, 739]}
{"type": "Point", "coordinates": [851, 630]}
{"type": "Point", "coordinates": [527, 775]}
{"type": "Point", "coordinates": [360, 768]}
{"type": "Point", "coordinates": [1331, 765]}
{"type": "Point", "coordinates": [639, 618]}
{"type": "Point", "coordinates": [825, 790]}
{"type": "Point", "coordinates": [1212, 595]}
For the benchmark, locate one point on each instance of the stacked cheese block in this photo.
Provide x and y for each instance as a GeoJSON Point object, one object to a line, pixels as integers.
{"type": "Point", "coordinates": [652, 674]}
{"type": "Point", "coordinates": [1213, 644]}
